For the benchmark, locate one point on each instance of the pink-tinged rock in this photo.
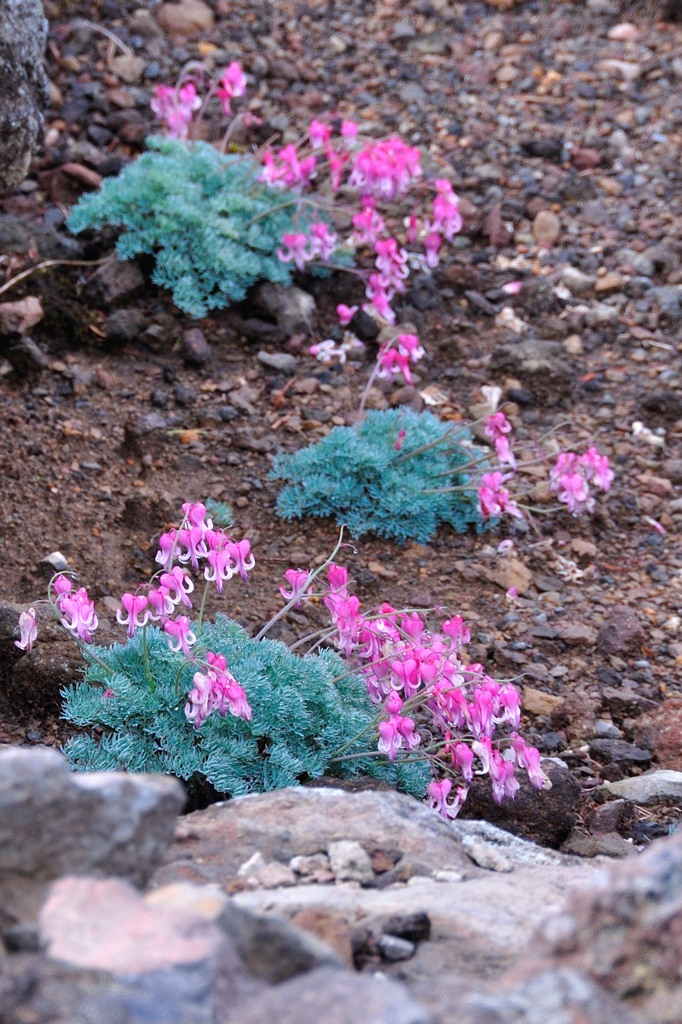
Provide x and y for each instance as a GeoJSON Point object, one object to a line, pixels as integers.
{"type": "Point", "coordinates": [661, 732]}
{"type": "Point", "coordinates": [622, 633]}
{"type": "Point", "coordinates": [585, 159]}
{"type": "Point", "coordinates": [19, 317]}
{"type": "Point", "coordinates": [54, 823]}
{"type": "Point", "coordinates": [625, 32]}
{"type": "Point", "coordinates": [105, 925]}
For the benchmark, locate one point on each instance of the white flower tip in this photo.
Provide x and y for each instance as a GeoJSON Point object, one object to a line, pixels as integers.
{"type": "Point", "coordinates": [492, 394]}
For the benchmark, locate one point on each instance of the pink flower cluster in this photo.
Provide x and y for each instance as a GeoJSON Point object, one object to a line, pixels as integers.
{"type": "Point", "coordinates": [175, 107]}
{"type": "Point", "coordinates": [303, 248]}
{"type": "Point", "coordinates": [196, 540]}
{"type": "Point", "coordinates": [215, 690]}
{"type": "Point", "coordinates": [76, 610]}
{"type": "Point", "coordinates": [569, 478]}
{"type": "Point", "coordinates": [572, 474]}
{"type": "Point", "coordinates": [380, 171]}
{"type": "Point", "coordinates": [395, 357]}
{"type": "Point", "coordinates": [231, 85]}
{"type": "Point", "coordinates": [407, 668]}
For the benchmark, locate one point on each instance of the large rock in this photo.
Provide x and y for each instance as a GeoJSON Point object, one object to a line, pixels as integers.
{"type": "Point", "coordinates": [543, 816]}
{"type": "Point", "coordinates": [661, 732]}
{"type": "Point", "coordinates": [23, 86]}
{"type": "Point", "coordinates": [562, 996]}
{"type": "Point", "coordinates": [625, 934]}
{"type": "Point", "coordinates": [460, 899]}
{"type": "Point", "coordinates": [336, 997]}
{"type": "Point", "coordinates": [163, 959]}
{"type": "Point", "coordinates": [54, 823]}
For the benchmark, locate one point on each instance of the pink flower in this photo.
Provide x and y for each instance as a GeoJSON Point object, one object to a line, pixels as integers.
{"type": "Point", "coordinates": [28, 630]}
{"type": "Point", "coordinates": [77, 613]}
{"type": "Point", "coordinates": [597, 469]}
{"type": "Point", "coordinates": [160, 604]}
{"type": "Point", "coordinates": [399, 441]}
{"type": "Point", "coordinates": [574, 492]}
{"type": "Point", "coordinates": [319, 133]}
{"type": "Point", "coordinates": [243, 558]}
{"type": "Point", "coordinates": [298, 582]}
{"type": "Point", "coordinates": [345, 313]}
{"type": "Point", "coordinates": [194, 545]}
{"type": "Point", "coordinates": [529, 758]}
{"type": "Point", "coordinates": [337, 162]}
{"type": "Point", "coordinates": [176, 107]}
{"type": "Point", "coordinates": [226, 693]}
{"type": "Point", "coordinates": [505, 785]}
{"type": "Point", "coordinates": [195, 515]}
{"type": "Point", "coordinates": [509, 700]}
{"type": "Point", "coordinates": [215, 690]}
{"type": "Point", "coordinates": [497, 425]}
{"type": "Point", "coordinates": [285, 170]}
{"type": "Point", "coordinates": [296, 249]}
{"type": "Point", "coordinates": [463, 758]}
{"type": "Point", "coordinates": [396, 733]}
{"type": "Point", "coordinates": [367, 226]}
{"type": "Point", "coordinates": [385, 169]}
{"type": "Point", "coordinates": [396, 357]}
{"type": "Point", "coordinates": [221, 562]}
{"type": "Point", "coordinates": [432, 244]}
{"type": "Point", "coordinates": [494, 499]}
{"type": "Point", "coordinates": [167, 549]}
{"type": "Point", "coordinates": [134, 613]}
{"type": "Point", "coordinates": [456, 630]}
{"type": "Point", "coordinates": [391, 262]}
{"type": "Point", "coordinates": [380, 298]}
{"type": "Point", "coordinates": [198, 706]}
{"type": "Point", "coordinates": [345, 616]}
{"type": "Point", "coordinates": [232, 85]}
{"type": "Point", "coordinates": [180, 634]}
{"type": "Point", "coordinates": [504, 453]}
{"type": "Point", "coordinates": [178, 585]}
{"type": "Point", "coordinates": [61, 585]}
{"type": "Point", "coordinates": [349, 129]}
{"type": "Point", "coordinates": [322, 241]}
{"type": "Point", "coordinates": [438, 793]}
{"type": "Point", "coordinates": [337, 578]}
{"type": "Point", "coordinates": [447, 220]}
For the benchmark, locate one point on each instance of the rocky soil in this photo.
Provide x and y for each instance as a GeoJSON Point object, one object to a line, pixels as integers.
{"type": "Point", "coordinates": [562, 127]}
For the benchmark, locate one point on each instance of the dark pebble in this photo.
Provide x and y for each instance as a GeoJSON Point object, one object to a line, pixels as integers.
{"type": "Point", "coordinates": [184, 394]}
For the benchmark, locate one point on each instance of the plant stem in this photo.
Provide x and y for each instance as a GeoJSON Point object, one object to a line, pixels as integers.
{"type": "Point", "coordinates": [294, 600]}
{"type": "Point", "coordinates": [202, 607]}
{"type": "Point", "coordinates": [147, 665]}
{"type": "Point", "coordinates": [50, 263]}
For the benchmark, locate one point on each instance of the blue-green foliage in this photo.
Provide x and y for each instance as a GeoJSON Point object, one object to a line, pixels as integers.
{"type": "Point", "coordinates": [356, 475]}
{"type": "Point", "coordinates": [213, 228]}
{"type": "Point", "coordinates": [304, 709]}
